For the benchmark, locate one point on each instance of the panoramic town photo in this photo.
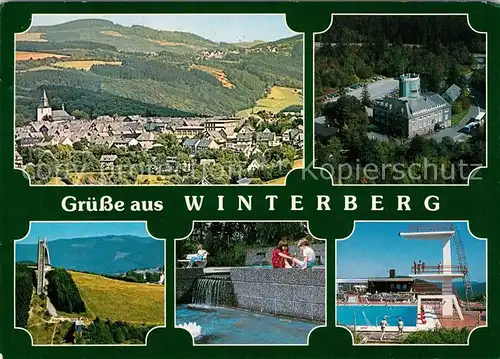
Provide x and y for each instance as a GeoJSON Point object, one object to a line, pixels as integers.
{"type": "Point", "coordinates": [87, 283]}
{"type": "Point", "coordinates": [158, 100]}
{"type": "Point", "coordinates": [423, 283]}
{"type": "Point", "coordinates": [400, 99]}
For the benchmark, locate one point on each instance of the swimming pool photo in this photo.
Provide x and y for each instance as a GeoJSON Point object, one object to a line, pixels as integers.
{"type": "Point", "coordinates": [372, 315]}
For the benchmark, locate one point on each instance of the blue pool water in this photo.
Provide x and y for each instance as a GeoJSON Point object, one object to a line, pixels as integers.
{"type": "Point", "coordinates": [233, 326]}
{"type": "Point", "coordinates": [372, 315]}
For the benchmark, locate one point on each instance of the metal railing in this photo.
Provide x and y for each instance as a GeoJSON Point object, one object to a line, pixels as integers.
{"type": "Point", "coordinates": [436, 227]}
{"type": "Point", "coordinates": [437, 269]}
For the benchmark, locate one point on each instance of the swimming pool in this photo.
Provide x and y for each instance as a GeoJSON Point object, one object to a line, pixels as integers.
{"type": "Point", "coordinates": [233, 326]}
{"type": "Point", "coordinates": [372, 315]}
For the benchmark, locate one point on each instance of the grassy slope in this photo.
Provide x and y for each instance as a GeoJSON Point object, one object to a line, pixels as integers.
{"type": "Point", "coordinates": [120, 300]}
{"type": "Point", "coordinates": [278, 99]}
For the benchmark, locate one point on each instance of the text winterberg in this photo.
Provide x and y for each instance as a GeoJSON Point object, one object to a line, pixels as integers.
{"type": "Point", "coordinates": [322, 202]}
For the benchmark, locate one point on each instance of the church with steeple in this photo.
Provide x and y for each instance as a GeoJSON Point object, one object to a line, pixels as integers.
{"type": "Point", "coordinates": [44, 111]}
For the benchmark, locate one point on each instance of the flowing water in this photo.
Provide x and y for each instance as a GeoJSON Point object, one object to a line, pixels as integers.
{"type": "Point", "coordinates": [213, 290]}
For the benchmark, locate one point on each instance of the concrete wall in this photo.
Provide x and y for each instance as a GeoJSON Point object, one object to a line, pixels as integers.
{"type": "Point", "coordinates": [260, 256]}
{"type": "Point", "coordinates": [184, 282]}
{"type": "Point", "coordinates": [290, 292]}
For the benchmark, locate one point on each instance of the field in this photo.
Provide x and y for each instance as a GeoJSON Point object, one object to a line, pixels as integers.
{"type": "Point", "coordinates": [111, 33]}
{"type": "Point", "coordinates": [25, 55]}
{"type": "Point", "coordinates": [56, 181]}
{"type": "Point", "coordinates": [276, 100]}
{"type": "Point", "coordinates": [281, 180]}
{"type": "Point", "coordinates": [84, 64]}
{"type": "Point", "coordinates": [217, 73]}
{"type": "Point", "coordinates": [31, 37]}
{"type": "Point", "coordinates": [151, 179]}
{"type": "Point", "coordinates": [119, 300]}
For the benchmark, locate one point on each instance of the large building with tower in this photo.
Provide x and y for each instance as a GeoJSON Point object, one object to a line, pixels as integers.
{"type": "Point", "coordinates": [413, 112]}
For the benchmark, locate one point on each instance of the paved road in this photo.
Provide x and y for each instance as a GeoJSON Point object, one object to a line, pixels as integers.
{"type": "Point", "coordinates": [453, 132]}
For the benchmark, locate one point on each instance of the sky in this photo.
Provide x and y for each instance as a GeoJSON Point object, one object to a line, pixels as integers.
{"type": "Point", "coordinates": [375, 247]}
{"type": "Point", "coordinates": [218, 28]}
{"type": "Point", "coordinates": [59, 230]}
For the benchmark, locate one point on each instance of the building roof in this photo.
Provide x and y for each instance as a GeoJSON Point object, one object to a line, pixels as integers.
{"type": "Point", "coordinates": [266, 135]}
{"type": "Point", "coordinates": [452, 93]}
{"type": "Point", "coordinates": [205, 142]}
{"type": "Point", "coordinates": [146, 136]}
{"type": "Point", "coordinates": [411, 107]}
{"type": "Point", "coordinates": [190, 142]}
{"type": "Point", "coordinates": [377, 136]}
{"type": "Point", "coordinates": [60, 113]}
{"type": "Point", "coordinates": [108, 158]}
{"type": "Point", "coordinates": [245, 136]}
{"type": "Point", "coordinates": [388, 279]}
{"type": "Point", "coordinates": [351, 280]}
{"type": "Point", "coordinates": [243, 181]}
{"type": "Point", "coordinates": [320, 129]}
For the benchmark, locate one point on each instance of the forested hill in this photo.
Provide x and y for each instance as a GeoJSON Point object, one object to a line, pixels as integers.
{"type": "Point", "coordinates": [101, 68]}
{"type": "Point", "coordinates": [103, 255]}
{"type": "Point", "coordinates": [134, 38]}
{"type": "Point", "coordinates": [418, 30]}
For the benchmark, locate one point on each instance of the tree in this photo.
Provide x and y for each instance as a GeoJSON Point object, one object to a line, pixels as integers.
{"type": "Point", "coordinates": [80, 115]}
{"type": "Point", "coordinates": [365, 96]}
{"type": "Point", "coordinates": [438, 336]}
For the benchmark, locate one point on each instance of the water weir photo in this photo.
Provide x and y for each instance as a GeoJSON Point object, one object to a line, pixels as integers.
{"type": "Point", "coordinates": [422, 283]}
{"type": "Point", "coordinates": [158, 100]}
{"type": "Point", "coordinates": [257, 283]}
{"type": "Point", "coordinates": [81, 283]}
{"type": "Point", "coordinates": [400, 99]}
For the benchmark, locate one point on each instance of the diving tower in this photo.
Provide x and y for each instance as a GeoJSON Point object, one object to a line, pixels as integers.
{"type": "Point", "coordinates": [444, 273]}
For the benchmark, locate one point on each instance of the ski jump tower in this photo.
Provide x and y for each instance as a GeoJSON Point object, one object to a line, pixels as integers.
{"type": "Point", "coordinates": [43, 266]}
{"type": "Point", "coordinates": [445, 273]}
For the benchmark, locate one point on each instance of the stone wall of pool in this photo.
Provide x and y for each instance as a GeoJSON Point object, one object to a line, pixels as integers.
{"type": "Point", "coordinates": [184, 283]}
{"type": "Point", "coordinates": [290, 292]}
{"type": "Point", "coordinates": [262, 256]}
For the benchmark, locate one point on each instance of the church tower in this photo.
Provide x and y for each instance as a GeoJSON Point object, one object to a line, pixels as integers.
{"type": "Point", "coordinates": [44, 108]}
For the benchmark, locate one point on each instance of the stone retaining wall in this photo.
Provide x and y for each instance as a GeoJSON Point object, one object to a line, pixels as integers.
{"type": "Point", "coordinates": [262, 256]}
{"type": "Point", "coordinates": [291, 292]}
{"type": "Point", "coordinates": [184, 282]}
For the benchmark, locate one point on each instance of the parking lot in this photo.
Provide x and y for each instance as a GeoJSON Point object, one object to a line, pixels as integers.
{"type": "Point", "coordinates": [377, 89]}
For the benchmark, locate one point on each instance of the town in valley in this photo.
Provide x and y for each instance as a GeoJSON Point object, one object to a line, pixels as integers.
{"type": "Point", "coordinates": [115, 105]}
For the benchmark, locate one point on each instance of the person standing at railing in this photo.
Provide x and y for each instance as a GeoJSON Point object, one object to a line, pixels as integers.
{"type": "Point", "coordinates": [419, 266]}
{"type": "Point", "coordinates": [439, 267]}
{"type": "Point", "coordinates": [415, 267]}
{"type": "Point", "coordinates": [423, 266]}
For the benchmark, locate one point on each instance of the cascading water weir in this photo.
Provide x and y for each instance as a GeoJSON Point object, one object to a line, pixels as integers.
{"type": "Point", "coordinates": [213, 290]}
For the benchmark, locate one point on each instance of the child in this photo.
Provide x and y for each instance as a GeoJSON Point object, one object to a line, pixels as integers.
{"type": "Point", "coordinates": [280, 258]}
{"type": "Point", "coordinates": [307, 253]}
{"type": "Point", "coordinates": [400, 326]}
{"type": "Point", "coordinates": [199, 255]}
